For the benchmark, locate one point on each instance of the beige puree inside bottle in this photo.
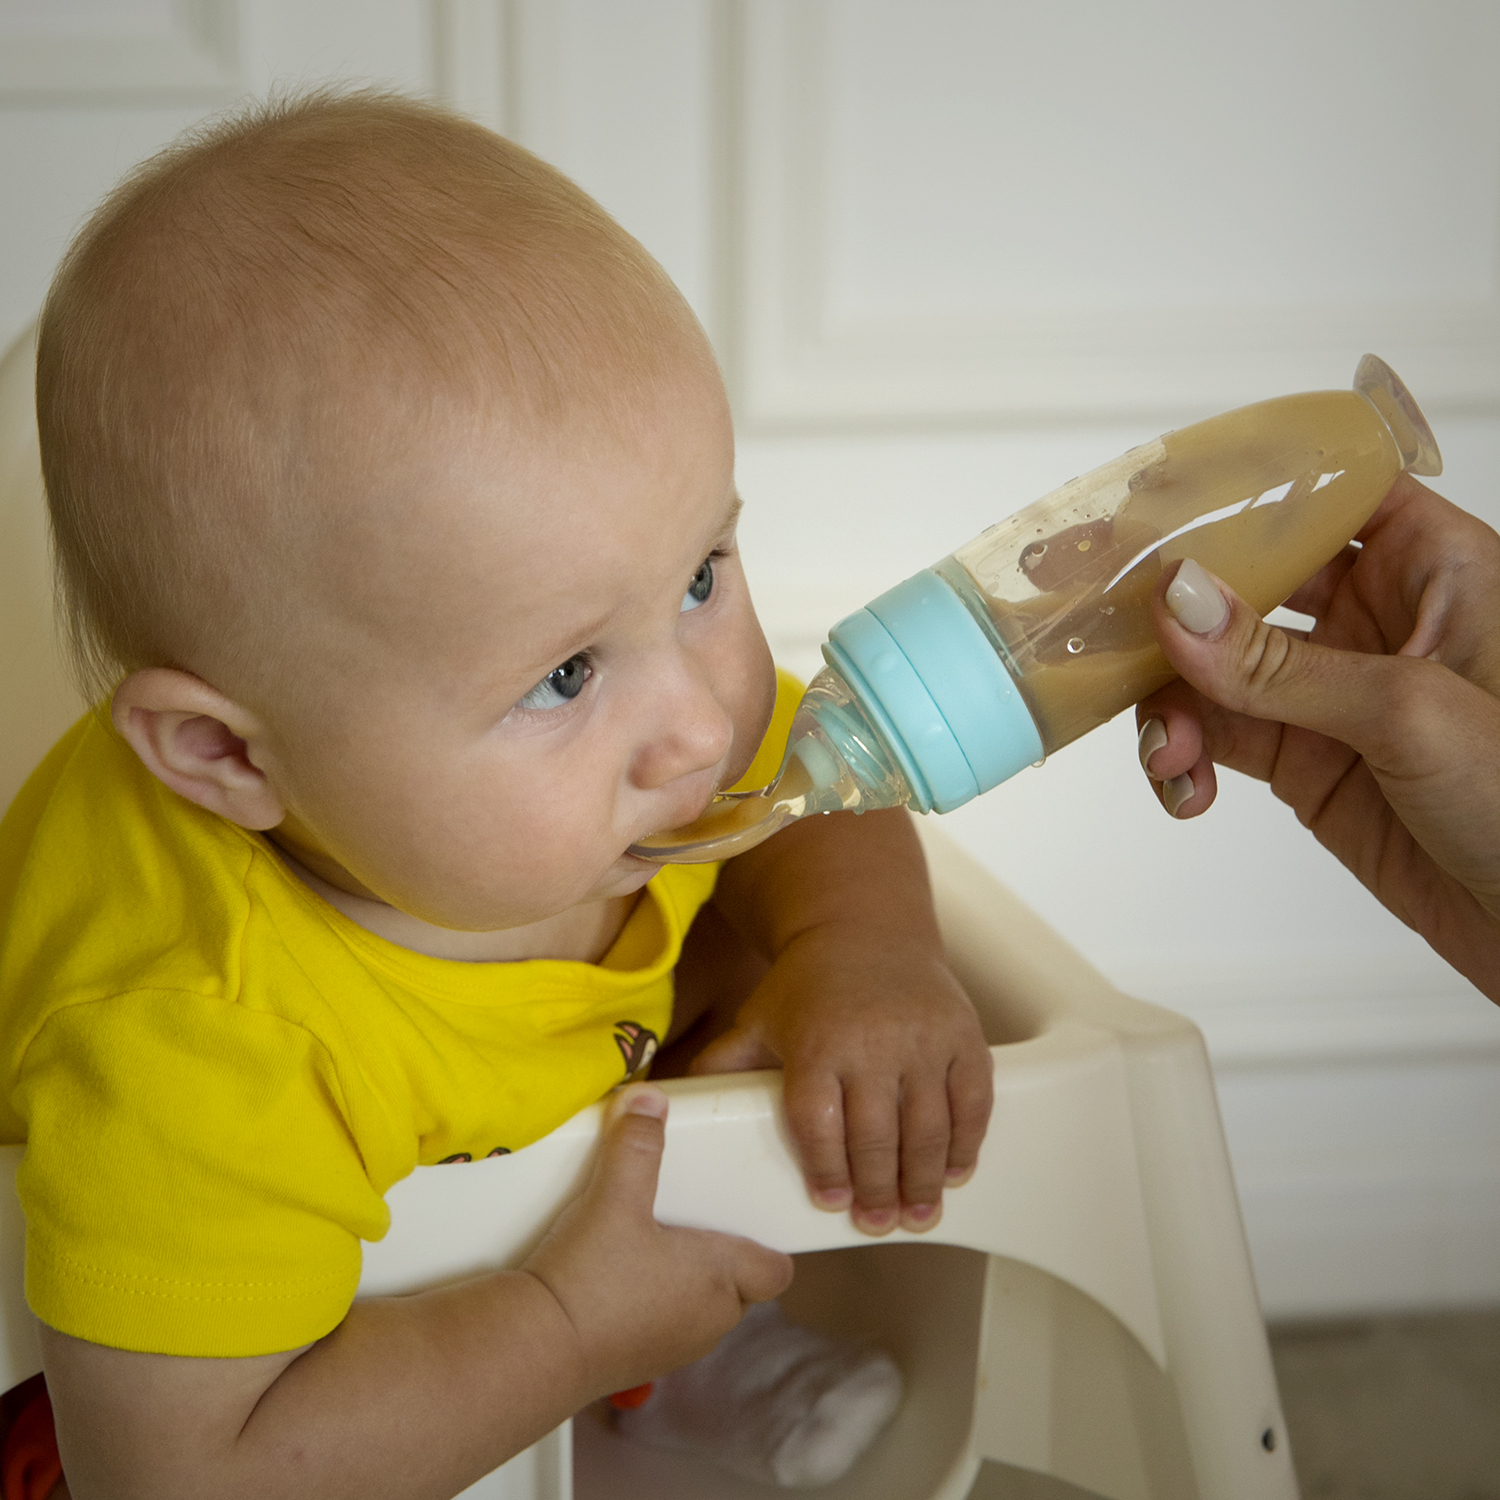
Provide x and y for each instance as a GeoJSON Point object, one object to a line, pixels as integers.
{"type": "Point", "coordinates": [1262, 496]}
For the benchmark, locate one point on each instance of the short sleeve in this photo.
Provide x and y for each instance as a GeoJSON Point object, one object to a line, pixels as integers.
{"type": "Point", "coordinates": [190, 1184]}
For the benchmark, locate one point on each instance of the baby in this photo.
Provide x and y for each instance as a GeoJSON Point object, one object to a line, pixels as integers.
{"type": "Point", "coordinates": [392, 488]}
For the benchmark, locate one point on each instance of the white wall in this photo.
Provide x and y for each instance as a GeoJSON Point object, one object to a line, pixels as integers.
{"type": "Point", "coordinates": [953, 253]}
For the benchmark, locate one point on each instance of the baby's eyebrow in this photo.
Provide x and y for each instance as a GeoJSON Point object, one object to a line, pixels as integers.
{"type": "Point", "coordinates": [731, 518]}
{"type": "Point", "coordinates": [588, 629]}
{"type": "Point", "coordinates": [583, 630]}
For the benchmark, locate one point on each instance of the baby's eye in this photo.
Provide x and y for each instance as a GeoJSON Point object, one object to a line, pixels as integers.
{"type": "Point", "coordinates": [561, 685]}
{"type": "Point", "coordinates": [701, 586]}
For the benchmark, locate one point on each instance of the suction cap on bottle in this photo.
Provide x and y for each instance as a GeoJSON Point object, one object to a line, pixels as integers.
{"type": "Point", "coordinates": [1379, 384]}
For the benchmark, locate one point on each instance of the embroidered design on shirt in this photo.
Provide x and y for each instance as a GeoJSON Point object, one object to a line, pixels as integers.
{"type": "Point", "coordinates": [637, 1046]}
{"type": "Point", "coordinates": [469, 1155]}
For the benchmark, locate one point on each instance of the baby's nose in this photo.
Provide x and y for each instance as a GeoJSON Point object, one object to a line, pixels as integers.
{"type": "Point", "coordinates": [694, 735]}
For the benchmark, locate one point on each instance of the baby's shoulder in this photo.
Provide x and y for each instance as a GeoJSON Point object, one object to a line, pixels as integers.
{"type": "Point", "coordinates": [111, 885]}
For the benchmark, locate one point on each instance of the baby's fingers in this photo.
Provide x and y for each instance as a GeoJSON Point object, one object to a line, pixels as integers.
{"type": "Point", "coordinates": [926, 1133]}
{"type": "Point", "coordinates": [873, 1131]}
{"type": "Point", "coordinates": [629, 1161]}
{"type": "Point", "coordinates": [756, 1273]}
{"type": "Point", "coordinates": [815, 1116]}
{"type": "Point", "coordinates": [971, 1097]}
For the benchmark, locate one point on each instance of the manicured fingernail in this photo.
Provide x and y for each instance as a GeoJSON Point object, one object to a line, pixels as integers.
{"type": "Point", "coordinates": [640, 1099]}
{"type": "Point", "coordinates": [919, 1217]}
{"type": "Point", "coordinates": [1176, 791]}
{"type": "Point", "coordinates": [957, 1176]}
{"type": "Point", "coordinates": [876, 1220]}
{"type": "Point", "coordinates": [1194, 598]}
{"type": "Point", "coordinates": [835, 1200]}
{"type": "Point", "coordinates": [1153, 737]}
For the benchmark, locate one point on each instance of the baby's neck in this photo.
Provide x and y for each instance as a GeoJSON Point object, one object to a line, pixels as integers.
{"type": "Point", "coordinates": [584, 933]}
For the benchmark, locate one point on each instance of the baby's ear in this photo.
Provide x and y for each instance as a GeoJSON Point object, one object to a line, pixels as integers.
{"type": "Point", "coordinates": [196, 741]}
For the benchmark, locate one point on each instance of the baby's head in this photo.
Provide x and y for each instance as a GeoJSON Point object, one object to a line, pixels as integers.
{"type": "Point", "coordinates": [396, 482]}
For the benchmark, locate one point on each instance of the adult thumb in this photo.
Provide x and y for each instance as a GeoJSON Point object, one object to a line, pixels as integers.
{"type": "Point", "coordinates": [635, 1133]}
{"type": "Point", "coordinates": [1222, 647]}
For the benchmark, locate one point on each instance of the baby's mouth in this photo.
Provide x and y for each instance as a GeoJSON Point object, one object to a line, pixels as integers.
{"type": "Point", "coordinates": [677, 820]}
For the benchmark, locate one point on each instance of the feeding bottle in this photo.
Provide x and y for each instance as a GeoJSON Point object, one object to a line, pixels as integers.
{"type": "Point", "coordinates": [1040, 628]}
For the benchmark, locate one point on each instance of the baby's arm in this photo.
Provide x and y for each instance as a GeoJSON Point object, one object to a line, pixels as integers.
{"type": "Point", "coordinates": [419, 1396]}
{"type": "Point", "coordinates": [888, 1079]}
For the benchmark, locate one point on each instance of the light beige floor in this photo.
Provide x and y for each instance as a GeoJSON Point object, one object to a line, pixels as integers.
{"type": "Point", "coordinates": [1378, 1409]}
{"type": "Point", "coordinates": [998, 1482]}
{"type": "Point", "coordinates": [1394, 1408]}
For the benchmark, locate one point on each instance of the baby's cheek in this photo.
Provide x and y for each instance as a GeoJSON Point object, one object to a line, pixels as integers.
{"type": "Point", "coordinates": [569, 839]}
{"type": "Point", "coordinates": [750, 730]}
{"type": "Point", "coordinates": [751, 699]}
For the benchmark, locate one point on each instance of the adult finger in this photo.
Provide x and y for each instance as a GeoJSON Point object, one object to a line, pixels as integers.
{"type": "Point", "coordinates": [1224, 649]}
{"type": "Point", "coordinates": [1173, 750]}
{"type": "Point", "coordinates": [1169, 729]}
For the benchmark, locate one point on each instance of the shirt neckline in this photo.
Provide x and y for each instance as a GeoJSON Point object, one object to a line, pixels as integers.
{"type": "Point", "coordinates": [458, 977]}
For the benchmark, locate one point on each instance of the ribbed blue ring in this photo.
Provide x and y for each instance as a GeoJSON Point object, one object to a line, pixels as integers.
{"type": "Point", "coordinates": [936, 689]}
{"type": "Point", "coordinates": [965, 675]}
{"type": "Point", "coordinates": [891, 694]}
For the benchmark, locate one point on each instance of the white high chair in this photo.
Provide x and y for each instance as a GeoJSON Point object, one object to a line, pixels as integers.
{"type": "Point", "coordinates": [1085, 1310]}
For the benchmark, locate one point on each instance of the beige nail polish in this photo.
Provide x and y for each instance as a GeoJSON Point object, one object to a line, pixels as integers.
{"type": "Point", "coordinates": [1194, 598]}
{"type": "Point", "coordinates": [1176, 791]}
{"type": "Point", "coordinates": [1153, 737]}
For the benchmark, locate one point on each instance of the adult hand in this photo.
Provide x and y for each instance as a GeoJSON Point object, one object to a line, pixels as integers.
{"type": "Point", "coordinates": [1380, 727]}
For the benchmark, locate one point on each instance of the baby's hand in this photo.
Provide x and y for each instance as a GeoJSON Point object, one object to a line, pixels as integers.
{"type": "Point", "coordinates": [643, 1298]}
{"type": "Point", "coordinates": [888, 1078]}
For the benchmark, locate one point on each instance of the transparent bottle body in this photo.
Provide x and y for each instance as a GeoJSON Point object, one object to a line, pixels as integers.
{"type": "Point", "coordinates": [1262, 496]}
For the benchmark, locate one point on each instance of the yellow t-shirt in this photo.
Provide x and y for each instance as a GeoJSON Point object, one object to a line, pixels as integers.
{"type": "Point", "coordinates": [218, 1076]}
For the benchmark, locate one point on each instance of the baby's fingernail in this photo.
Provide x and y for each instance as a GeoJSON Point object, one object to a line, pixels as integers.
{"type": "Point", "coordinates": [640, 1099]}
{"type": "Point", "coordinates": [1176, 791]}
{"type": "Point", "coordinates": [1153, 737]}
{"type": "Point", "coordinates": [918, 1217]}
{"type": "Point", "coordinates": [957, 1176]}
{"type": "Point", "coordinates": [835, 1200]}
{"type": "Point", "coordinates": [1194, 598]}
{"type": "Point", "coordinates": [875, 1220]}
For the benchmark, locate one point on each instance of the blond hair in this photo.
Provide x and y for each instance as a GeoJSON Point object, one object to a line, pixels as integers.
{"type": "Point", "coordinates": [207, 332]}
